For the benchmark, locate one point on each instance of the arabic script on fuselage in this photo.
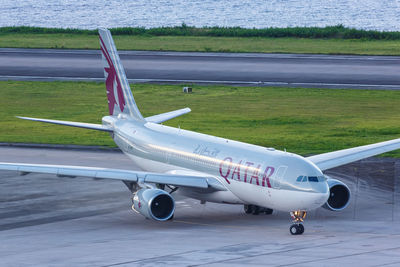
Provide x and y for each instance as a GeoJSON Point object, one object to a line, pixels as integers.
{"type": "Point", "coordinates": [204, 150]}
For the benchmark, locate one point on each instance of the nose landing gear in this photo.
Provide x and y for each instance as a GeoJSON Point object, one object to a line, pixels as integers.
{"type": "Point", "coordinates": [298, 217]}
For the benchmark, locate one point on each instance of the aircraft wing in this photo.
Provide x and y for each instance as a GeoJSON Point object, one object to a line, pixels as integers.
{"type": "Point", "coordinates": [116, 174]}
{"type": "Point", "coordinates": [337, 158]}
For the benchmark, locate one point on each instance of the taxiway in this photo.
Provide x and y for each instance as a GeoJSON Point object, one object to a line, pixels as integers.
{"type": "Point", "coordinates": [297, 70]}
{"type": "Point", "coordinates": [51, 221]}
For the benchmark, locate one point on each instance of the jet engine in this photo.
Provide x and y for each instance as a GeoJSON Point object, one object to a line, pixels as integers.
{"type": "Point", "coordinates": [339, 195]}
{"type": "Point", "coordinates": [155, 204]}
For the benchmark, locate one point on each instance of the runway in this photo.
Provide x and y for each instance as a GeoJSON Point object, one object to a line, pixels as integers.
{"type": "Point", "coordinates": [326, 71]}
{"type": "Point", "coordinates": [51, 221]}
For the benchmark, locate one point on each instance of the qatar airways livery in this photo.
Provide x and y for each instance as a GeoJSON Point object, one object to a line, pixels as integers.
{"type": "Point", "coordinates": [204, 167]}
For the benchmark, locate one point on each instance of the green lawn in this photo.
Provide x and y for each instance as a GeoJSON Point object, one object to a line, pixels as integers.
{"type": "Point", "coordinates": [206, 43]}
{"type": "Point", "coordinates": [302, 120]}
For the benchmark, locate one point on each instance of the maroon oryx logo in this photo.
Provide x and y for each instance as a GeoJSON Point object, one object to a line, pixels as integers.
{"type": "Point", "coordinates": [114, 89]}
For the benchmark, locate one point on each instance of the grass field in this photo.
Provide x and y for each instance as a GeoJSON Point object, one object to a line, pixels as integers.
{"type": "Point", "coordinates": [327, 32]}
{"type": "Point", "coordinates": [206, 43]}
{"type": "Point", "coordinates": [301, 120]}
{"type": "Point", "coordinates": [315, 40]}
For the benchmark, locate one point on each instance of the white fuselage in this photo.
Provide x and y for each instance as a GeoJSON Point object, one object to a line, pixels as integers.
{"type": "Point", "coordinates": [252, 174]}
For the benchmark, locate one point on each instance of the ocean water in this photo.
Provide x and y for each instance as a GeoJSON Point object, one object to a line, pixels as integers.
{"type": "Point", "coordinates": [91, 14]}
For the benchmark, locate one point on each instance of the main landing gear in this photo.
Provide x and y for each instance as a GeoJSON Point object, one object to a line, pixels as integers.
{"type": "Point", "coordinates": [298, 217]}
{"type": "Point", "coordinates": [255, 210]}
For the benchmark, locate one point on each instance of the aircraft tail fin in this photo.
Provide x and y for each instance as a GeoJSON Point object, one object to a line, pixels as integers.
{"type": "Point", "coordinates": [119, 94]}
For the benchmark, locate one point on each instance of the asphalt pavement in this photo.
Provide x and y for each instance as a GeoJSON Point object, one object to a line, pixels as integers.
{"type": "Point", "coordinates": [51, 221]}
{"type": "Point", "coordinates": [298, 70]}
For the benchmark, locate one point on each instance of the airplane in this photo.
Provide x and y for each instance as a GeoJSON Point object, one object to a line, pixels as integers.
{"type": "Point", "coordinates": [204, 167]}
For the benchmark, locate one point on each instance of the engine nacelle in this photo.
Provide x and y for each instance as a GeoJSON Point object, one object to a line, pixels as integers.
{"type": "Point", "coordinates": [155, 204]}
{"type": "Point", "coordinates": [339, 195]}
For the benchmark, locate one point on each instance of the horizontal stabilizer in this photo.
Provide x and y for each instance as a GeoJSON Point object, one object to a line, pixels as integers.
{"type": "Point", "coordinates": [92, 126]}
{"type": "Point", "coordinates": [116, 174]}
{"type": "Point", "coordinates": [168, 115]}
{"type": "Point", "coordinates": [337, 158]}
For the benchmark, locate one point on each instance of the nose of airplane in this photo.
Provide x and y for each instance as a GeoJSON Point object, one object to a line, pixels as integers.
{"type": "Point", "coordinates": [322, 193]}
{"type": "Point", "coordinates": [321, 186]}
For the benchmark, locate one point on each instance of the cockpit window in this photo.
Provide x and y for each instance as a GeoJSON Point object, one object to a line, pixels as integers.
{"type": "Point", "coordinates": [313, 179]}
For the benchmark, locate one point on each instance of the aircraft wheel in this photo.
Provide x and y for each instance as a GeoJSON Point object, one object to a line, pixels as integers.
{"type": "Point", "coordinates": [301, 228]}
{"type": "Point", "coordinates": [248, 209]}
{"type": "Point", "coordinates": [269, 211]}
{"type": "Point", "coordinates": [296, 229]}
{"type": "Point", "coordinates": [256, 210]}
